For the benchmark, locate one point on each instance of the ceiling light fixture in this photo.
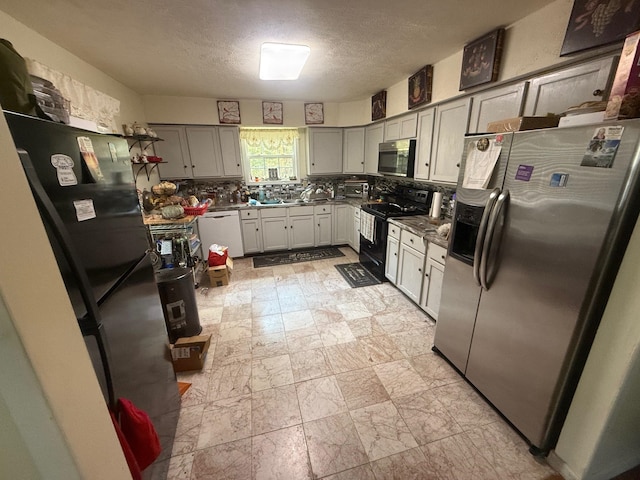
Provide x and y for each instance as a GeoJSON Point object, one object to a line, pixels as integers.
{"type": "Point", "coordinates": [281, 61]}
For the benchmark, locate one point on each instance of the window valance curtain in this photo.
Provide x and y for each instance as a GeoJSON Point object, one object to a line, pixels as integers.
{"type": "Point", "coordinates": [270, 137]}
{"type": "Point", "coordinates": [86, 102]}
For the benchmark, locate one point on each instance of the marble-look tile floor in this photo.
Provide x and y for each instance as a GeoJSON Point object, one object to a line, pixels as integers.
{"type": "Point", "coordinates": [307, 378]}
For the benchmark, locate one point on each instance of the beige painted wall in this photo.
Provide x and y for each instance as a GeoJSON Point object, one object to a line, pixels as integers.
{"type": "Point", "coordinates": [39, 308]}
{"type": "Point", "coordinates": [31, 44]}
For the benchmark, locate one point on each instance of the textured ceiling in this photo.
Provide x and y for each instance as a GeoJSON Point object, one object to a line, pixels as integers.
{"type": "Point", "coordinates": [210, 48]}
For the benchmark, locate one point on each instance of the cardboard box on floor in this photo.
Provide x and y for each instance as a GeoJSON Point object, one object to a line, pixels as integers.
{"type": "Point", "coordinates": [189, 353]}
{"type": "Point", "coordinates": [219, 275]}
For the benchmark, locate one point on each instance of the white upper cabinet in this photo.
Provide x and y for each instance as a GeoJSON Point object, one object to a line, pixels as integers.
{"type": "Point", "coordinates": [401, 127]}
{"type": "Point", "coordinates": [496, 104]}
{"type": "Point", "coordinates": [451, 122]}
{"type": "Point", "coordinates": [424, 143]}
{"type": "Point", "coordinates": [373, 137]}
{"type": "Point", "coordinates": [198, 152]}
{"type": "Point", "coordinates": [204, 150]}
{"type": "Point", "coordinates": [230, 150]}
{"type": "Point", "coordinates": [557, 91]}
{"type": "Point", "coordinates": [174, 151]}
{"type": "Point", "coordinates": [353, 150]}
{"type": "Point", "coordinates": [325, 151]}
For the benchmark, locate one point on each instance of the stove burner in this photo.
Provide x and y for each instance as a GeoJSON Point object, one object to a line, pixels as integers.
{"type": "Point", "coordinates": [405, 208]}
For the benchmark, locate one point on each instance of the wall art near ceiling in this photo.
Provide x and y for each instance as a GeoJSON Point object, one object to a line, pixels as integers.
{"type": "Point", "coordinates": [420, 86]}
{"type": "Point", "coordinates": [272, 113]}
{"type": "Point", "coordinates": [481, 60]}
{"type": "Point", "coordinates": [379, 105]}
{"type": "Point", "coordinates": [313, 113]}
{"type": "Point", "coordinates": [594, 23]}
{"type": "Point", "coordinates": [229, 111]}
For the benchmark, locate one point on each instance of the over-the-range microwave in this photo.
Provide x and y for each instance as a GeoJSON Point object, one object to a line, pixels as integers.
{"type": "Point", "coordinates": [397, 158]}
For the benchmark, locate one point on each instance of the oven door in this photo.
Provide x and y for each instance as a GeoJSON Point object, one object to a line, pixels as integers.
{"type": "Point", "coordinates": [373, 254]}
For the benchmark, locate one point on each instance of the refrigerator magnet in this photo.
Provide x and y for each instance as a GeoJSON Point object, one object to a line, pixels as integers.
{"type": "Point", "coordinates": [86, 148]}
{"type": "Point", "coordinates": [602, 147]}
{"type": "Point", "coordinates": [64, 169]}
{"type": "Point", "coordinates": [84, 210]}
{"type": "Point", "coordinates": [559, 179]}
{"type": "Point", "coordinates": [524, 172]}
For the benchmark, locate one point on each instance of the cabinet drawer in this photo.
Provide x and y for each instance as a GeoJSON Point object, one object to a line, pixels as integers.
{"type": "Point", "coordinates": [275, 212]}
{"type": "Point", "coordinates": [320, 209]}
{"type": "Point", "coordinates": [249, 214]}
{"type": "Point", "coordinates": [299, 211]}
{"type": "Point", "coordinates": [414, 241]}
{"type": "Point", "coordinates": [437, 253]}
{"type": "Point", "coordinates": [394, 231]}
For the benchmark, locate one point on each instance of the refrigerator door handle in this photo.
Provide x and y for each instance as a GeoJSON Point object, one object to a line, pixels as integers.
{"type": "Point", "coordinates": [91, 325]}
{"type": "Point", "coordinates": [482, 230]}
{"type": "Point", "coordinates": [496, 212]}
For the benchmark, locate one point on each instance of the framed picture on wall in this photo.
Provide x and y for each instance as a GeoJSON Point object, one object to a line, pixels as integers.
{"type": "Point", "coordinates": [229, 111]}
{"type": "Point", "coordinates": [379, 105]}
{"type": "Point", "coordinates": [481, 60]}
{"type": "Point", "coordinates": [594, 23]}
{"type": "Point", "coordinates": [313, 113]}
{"type": "Point", "coordinates": [272, 113]}
{"type": "Point", "coordinates": [420, 86]}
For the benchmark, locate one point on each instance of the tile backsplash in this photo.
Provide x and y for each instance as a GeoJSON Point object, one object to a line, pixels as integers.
{"type": "Point", "coordinates": [225, 191]}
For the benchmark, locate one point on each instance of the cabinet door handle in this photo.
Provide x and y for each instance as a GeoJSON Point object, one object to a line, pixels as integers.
{"type": "Point", "coordinates": [318, 224]}
{"type": "Point", "coordinates": [395, 253]}
{"type": "Point", "coordinates": [285, 227]}
{"type": "Point", "coordinates": [256, 229]}
{"type": "Point", "coordinates": [411, 240]}
{"type": "Point", "coordinates": [426, 275]}
{"type": "Point", "coordinates": [291, 227]}
{"type": "Point", "coordinates": [426, 164]}
{"type": "Point", "coordinates": [420, 270]}
{"type": "Point", "coordinates": [458, 165]}
{"type": "Point", "coordinates": [442, 256]}
{"type": "Point", "coordinates": [597, 92]}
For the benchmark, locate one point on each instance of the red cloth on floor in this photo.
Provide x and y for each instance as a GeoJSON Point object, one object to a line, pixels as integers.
{"type": "Point", "coordinates": [128, 454]}
{"type": "Point", "coordinates": [139, 432]}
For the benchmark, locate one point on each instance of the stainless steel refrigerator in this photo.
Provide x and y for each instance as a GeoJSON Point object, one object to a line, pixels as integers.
{"type": "Point", "coordinates": [532, 260]}
{"type": "Point", "coordinates": [89, 206]}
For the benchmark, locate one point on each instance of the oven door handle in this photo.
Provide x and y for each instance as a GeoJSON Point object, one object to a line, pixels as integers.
{"type": "Point", "coordinates": [482, 230]}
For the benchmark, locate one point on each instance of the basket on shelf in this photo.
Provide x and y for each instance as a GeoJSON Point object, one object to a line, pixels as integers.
{"type": "Point", "coordinates": [199, 209]}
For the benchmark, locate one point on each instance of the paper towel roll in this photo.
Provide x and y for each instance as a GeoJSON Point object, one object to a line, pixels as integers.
{"type": "Point", "coordinates": [436, 205]}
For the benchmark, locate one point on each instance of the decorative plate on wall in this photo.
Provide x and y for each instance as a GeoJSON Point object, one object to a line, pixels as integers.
{"type": "Point", "coordinates": [229, 111]}
{"type": "Point", "coordinates": [272, 113]}
{"type": "Point", "coordinates": [313, 113]}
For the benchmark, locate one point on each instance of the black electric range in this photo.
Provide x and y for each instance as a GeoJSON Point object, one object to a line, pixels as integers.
{"type": "Point", "coordinates": [404, 202]}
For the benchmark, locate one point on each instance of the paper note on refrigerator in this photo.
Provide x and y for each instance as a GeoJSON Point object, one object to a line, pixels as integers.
{"type": "Point", "coordinates": [480, 165]}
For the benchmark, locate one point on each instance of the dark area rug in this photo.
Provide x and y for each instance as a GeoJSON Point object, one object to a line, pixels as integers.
{"type": "Point", "coordinates": [356, 275]}
{"type": "Point", "coordinates": [296, 257]}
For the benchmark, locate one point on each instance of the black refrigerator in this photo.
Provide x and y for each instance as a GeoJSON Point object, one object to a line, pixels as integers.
{"type": "Point", "coordinates": [83, 185]}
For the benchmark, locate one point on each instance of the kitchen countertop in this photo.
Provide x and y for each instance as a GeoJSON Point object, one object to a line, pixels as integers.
{"type": "Point", "coordinates": [421, 225]}
{"type": "Point", "coordinates": [356, 202]}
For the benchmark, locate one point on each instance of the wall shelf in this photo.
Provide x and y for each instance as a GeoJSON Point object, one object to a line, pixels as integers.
{"type": "Point", "coordinates": [144, 166]}
{"type": "Point", "coordinates": [140, 139]}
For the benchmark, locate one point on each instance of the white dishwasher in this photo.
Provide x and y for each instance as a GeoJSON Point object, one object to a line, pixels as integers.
{"type": "Point", "coordinates": [222, 228]}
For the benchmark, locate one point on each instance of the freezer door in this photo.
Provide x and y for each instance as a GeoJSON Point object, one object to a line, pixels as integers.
{"type": "Point", "coordinates": [553, 233]}
{"type": "Point", "coordinates": [115, 239]}
{"type": "Point", "coordinates": [461, 289]}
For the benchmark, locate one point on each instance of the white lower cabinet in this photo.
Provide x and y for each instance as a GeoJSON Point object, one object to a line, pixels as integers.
{"type": "Point", "coordinates": [251, 231]}
{"type": "Point", "coordinates": [393, 252]}
{"type": "Point", "coordinates": [410, 265]}
{"type": "Point", "coordinates": [355, 230]}
{"type": "Point", "coordinates": [434, 273]}
{"type": "Point", "coordinates": [301, 232]}
{"type": "Point", "coordinates": [415, 269]}
{"type": "Point", "coordinates": [274, 234]}
{"type": "Point", "coordinates": [323, 225]}
{"type": "Point", "coordinates": [342, 215]}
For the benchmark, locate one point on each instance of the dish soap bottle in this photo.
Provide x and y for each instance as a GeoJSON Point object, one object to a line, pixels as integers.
{"type": "Point", "coordinates": [261, 194]}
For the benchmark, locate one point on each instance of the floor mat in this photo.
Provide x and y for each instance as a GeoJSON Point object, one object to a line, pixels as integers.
{"type": "Point", "coordinates": [356, 275]}
{"type": "Point", "coordinates": [295, 257]}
